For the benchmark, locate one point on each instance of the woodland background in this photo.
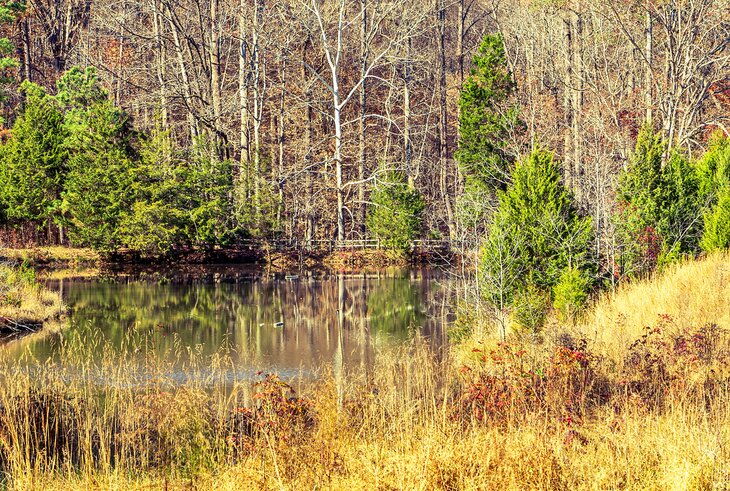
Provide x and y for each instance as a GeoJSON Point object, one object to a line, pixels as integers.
{"type": "Point", "coordinates": [312, 105]}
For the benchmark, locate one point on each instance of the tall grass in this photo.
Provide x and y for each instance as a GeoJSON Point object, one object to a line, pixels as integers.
{"type": "Point", "coordinates": [565, 414]}
{"type": "Point", "coordinates": [693, 294]}
{"type": "Point", "coordinates": [24, 302]}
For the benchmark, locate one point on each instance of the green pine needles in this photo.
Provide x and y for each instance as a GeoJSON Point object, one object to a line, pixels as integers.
{"type": "Point", "coordinates": [714, 172]}
{"type": "Point", "coordinates": [101, 150]}
{"type": "Point", "coordinates": [667, 205]}
{"type": "Point", "coordinates": [395, 216]}
{"type": "Point", "coordinates": [486, 117]}
{"type": "Point", "coordinates": [10, 11]}
{"type": "Point", "coordinates": [34, 161]}
{"type": "Point", "coordinates": [538, 247]}
{"type": "Point", "coordinates": [74, 161]}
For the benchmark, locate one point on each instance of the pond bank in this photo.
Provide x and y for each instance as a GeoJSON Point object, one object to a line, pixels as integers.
{"type": "Point", "coordinates": [25, 305]}
{"type": "Point", "coordinates": [59, 257]}
{"type": "Point", "coordinates": [53, 256]}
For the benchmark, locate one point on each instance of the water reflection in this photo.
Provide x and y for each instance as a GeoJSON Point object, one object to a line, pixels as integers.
{"type": "Point", "coordinates": [270, 323]}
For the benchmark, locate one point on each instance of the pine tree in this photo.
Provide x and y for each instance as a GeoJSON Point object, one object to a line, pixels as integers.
{"type": "Point", "coordinates": [713, 170]}
{"type": "Point", "coordinates": [640, 184]}
{"type": "Point", "coordinates": [660, 206]}
{"type": "Point", "coordinates": [486, 117]}
{"type": "Point", "coordinates": [536, 235]}
{"type": "Point", "coordinates": [716, 235]}
{"type": "Point", "coordinates": [9, 12]}
{"type": "Point", "coordinates": [156, 222]}
{"type": "Point", "coordinates": [100, 145]}
{"type": "Point", "coordinates": [681, 209]}
{"type": "Point", "coordinates": [207, 188]}
{"type": "Point", "coordinates": [395, 216]}
{"type": "Point", "coordinates": [34, 160]}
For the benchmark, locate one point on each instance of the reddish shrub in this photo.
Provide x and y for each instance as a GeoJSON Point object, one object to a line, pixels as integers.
{"type": "Point", "coordinates": [668, 361]}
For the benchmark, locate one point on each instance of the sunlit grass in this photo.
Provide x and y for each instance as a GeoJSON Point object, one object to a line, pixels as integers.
{"type": "Point", "coordinates": [693, 294]}
{"type": "Point", "coordinates": [24, 302]}
{"type": "Point", "coordinates": [52, 255]}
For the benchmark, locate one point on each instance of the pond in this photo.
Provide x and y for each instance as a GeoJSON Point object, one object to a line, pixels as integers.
{"type": "Point", "coordinates": [290, 324]}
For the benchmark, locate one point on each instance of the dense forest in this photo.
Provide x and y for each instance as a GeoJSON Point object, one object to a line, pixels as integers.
{"type": "Point", "coordinates": [153, 125]}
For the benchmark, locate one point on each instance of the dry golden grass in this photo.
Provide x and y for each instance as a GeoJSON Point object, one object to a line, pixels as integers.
{"type": "Point", "coordinates": [401, 436]}
{"type": "Point", "coordinates": [75, 273]}
{"type": "Point", "coordinates": [365, 258]}
{"type": "Point", "coordinates": [693, 294]}
{"type": "Point", "coordinates": [53, 256]}
{"type": "Point", "coordinates": [23, 301]}
{"type": "Point", "coordinates": [572, 421]}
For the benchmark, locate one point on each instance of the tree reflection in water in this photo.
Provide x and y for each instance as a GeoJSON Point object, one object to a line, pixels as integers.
{"type": "Point", "coordinates": [267, 323]}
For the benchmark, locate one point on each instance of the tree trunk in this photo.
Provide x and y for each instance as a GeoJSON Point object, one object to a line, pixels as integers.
{"type": "Point", "coordinates": [443, 143]}
{"type": "Point", "coordinates": [257, 107]}
{"type": "Point", "coordinates": [363, 112]}
{"type": "Point", "coordinates": [338, 161]}
{"type": "Point", "coordinates": [120, 64]}
{"type": "Point", "coordinates": [244, 113]}
{"type": "Point", "coordinates": [215, 83]}
{"type": "Point", "coordinates": [407, 144]}
{"type": "Point", "coordinates": [280, 140]}
{"type": "Point", "coordinates": [460, 42]}
{"type": "Point", "coordinates": [308, 156]}
{"type": "Point", "coordinates": [577, 91]}
{"type": "Point", "coordinates": [648, 50]}
{"type": "Point", "coordinates": [187, 91]}
{"type": "Point", "coordinates": [27, 66]}
{"type": "Point", "coordinates": [161, 63]}
{"type": "Point", "coordinates": [568, 103]}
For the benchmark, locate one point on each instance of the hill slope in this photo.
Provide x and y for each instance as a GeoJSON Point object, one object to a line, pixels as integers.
{"type": "Point", "coordinates": [693, 294]}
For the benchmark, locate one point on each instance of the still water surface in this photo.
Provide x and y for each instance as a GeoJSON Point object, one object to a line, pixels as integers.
{"type": "Point", "coordinates": [290, 324]}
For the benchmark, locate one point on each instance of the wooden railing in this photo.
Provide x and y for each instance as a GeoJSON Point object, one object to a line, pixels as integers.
{"type": "Point", "coordinates": [426, 245]}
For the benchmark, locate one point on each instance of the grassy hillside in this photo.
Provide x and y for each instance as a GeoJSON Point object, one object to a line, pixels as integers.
{"type": "Point", "coordinates": [690, 295]}
{"type": "Point", "coordinates": [57, 256]}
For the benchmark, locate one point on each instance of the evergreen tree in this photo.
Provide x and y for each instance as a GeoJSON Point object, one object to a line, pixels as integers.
{"type": "Point", "coordinates": [157, 222]}
{"type": "Point", "coordinates": [486, 117]}
{"type": "Point", "coordinates": [34, 160]}
{"type": "Point", "coordinates": [257, 214]}
{"type": "Point", "coordinates": [79, 90]}
{"type": "Point", "coordinates": [713, 170]}
{"type": "Point", "coordinates": [681, 209]}
{"type": "Point", "coordinates": [570, 293]}
{"type": "Point", "coordinates": [660, 206]}
{"type": "Point", "coordinates": [101, 155]}
{"type": "Point", "coordinates": [638, 206]}
{"type": "Point", "coordinates": [9, 12]}
{"type": "Point", "coordinates": [207, 191]}
{"type": "Point", "coordinates": [538, 224]}
{"type": "Point", "coordinates": [178, 199]}
{"type": "Point", "coordinates": [641, 183]}
{"type": "Point", "coordinates": [717, 224]}
{"type": "Point", "coordinates": [395, 216]}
